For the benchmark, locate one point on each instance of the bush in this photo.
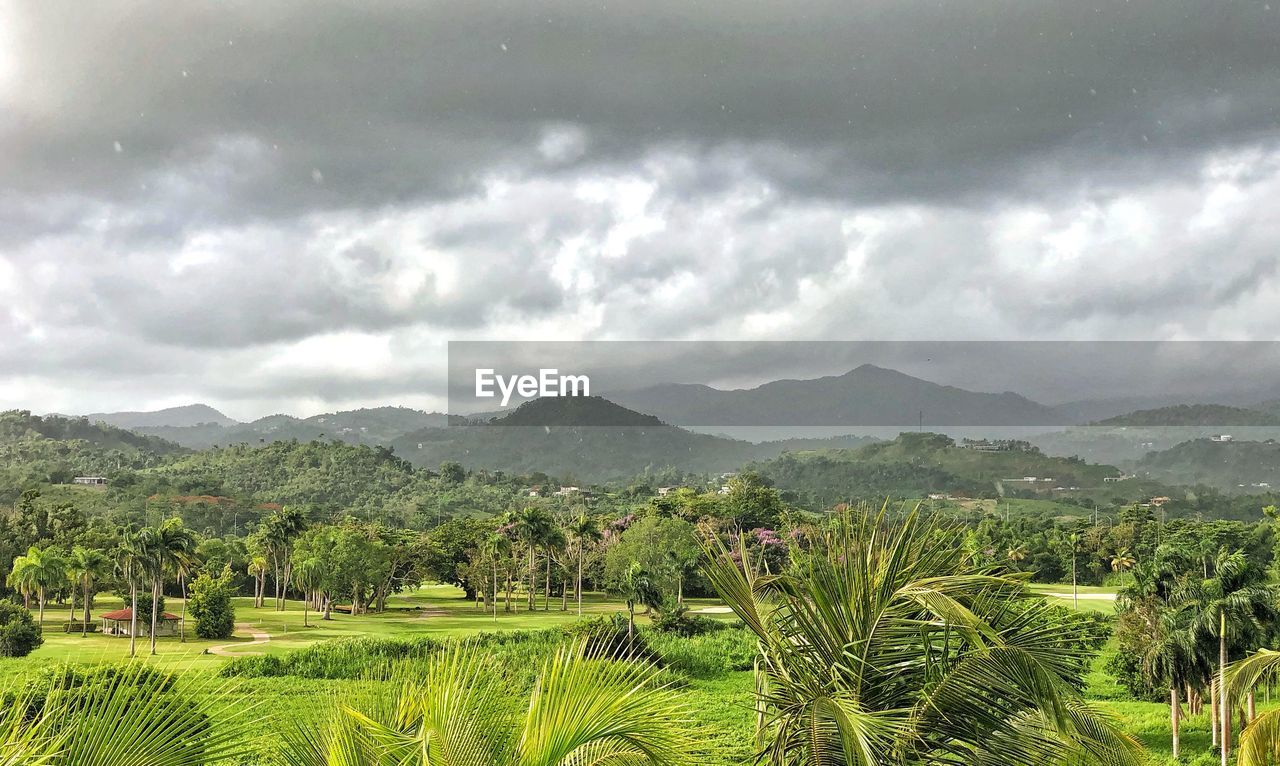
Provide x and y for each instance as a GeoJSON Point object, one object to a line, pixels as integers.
{"type": "Point", "coordinates": [210, 606]}
{"type": "Point", "coordinates": [79, 627]}
{"type": "Point", "coordinates": [708, 655]}
{"type": "Point", "coordinates": [19, 634]}
{"type": "Point", "coordinates": [675, 618]}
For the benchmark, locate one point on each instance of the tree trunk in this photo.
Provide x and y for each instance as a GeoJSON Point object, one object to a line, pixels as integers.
{"type": "Point", "coordinates": [133, 618]}
{"type": "Point", "coordinates": [1252, 709]}
{"type": "Point", "coordinates": [84, 627]}
{"type": "Point", "coordinates": [155, 608]}
{"type": "Point", "coordinates": [306, 601]}
{"type": "Point", "coordinates": [546, 586]}
{"type": "Point", "coordinates": [182, 624]}
{"type": "Point", "coordinates": [579, 585]}
{"type": "Point", "coordinates": [495, 589]}
{"type": "Point", "coordinates": [1173, 717]}
{"type": "Point", "coordinates": [72, 617]}
{"type": "Point", "coordinates": [680, 589]}
{"type": "Point", "coordinates": [533, 579]}
{"type": "Point", "coordinates": [631, 618]}
{"type": "Point", "coordinates": [1213, 712]}
{"type": "Point", "coordinates": [1223, 703]}
{"type": "Point", "coordinates": [40, 597]}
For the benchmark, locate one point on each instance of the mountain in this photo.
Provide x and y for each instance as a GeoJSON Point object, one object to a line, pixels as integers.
{"type": "Point", "coordinates": [867, 396]}
{"type": "Point", "coordinates": [177, 417]}
{"type": "Point", "coordinates": [55, 449]}
{"type": "Point", "coordinates": [374, 426]}
{"type": "Point", "coordinates": [1231, 466]}
{"type": "Point", "coordinates": [1194, 415]}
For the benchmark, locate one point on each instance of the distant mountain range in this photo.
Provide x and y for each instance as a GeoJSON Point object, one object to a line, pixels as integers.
{"type": "Point", "coordinates": [177, 417]}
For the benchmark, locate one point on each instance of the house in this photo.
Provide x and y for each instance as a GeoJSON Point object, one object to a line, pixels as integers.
{"type": "Point", "coordinates": [535, 491]}
{"type": "Point", "coordinates": [566, 491]}
{"type": "Point", "coordinates": [1220, 438]}
{"type": "Point", "coordinates": [1121, 477]}
{"type": "Point", "coordinates": [939, 496]}
{"type": "Point", "coordinates": [95, 481]}
{"type": "Point", "coordinates": [664, 491]}
{"type": "Point", "coordinates": [724, 489]}
{"type": "Point", "coordinates": [120, 622]}
{"type": "Point", "coordinates": [1159, 501]}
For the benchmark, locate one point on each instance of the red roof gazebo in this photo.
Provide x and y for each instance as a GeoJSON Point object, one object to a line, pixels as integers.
{"type": "Point", "coordinates": [119, 622]}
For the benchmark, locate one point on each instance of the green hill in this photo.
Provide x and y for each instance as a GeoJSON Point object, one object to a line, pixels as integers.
{"type": "Point", "coordinates": [1234, 466]}
{"type": "Point", "coordinates": [918, 464]}
{"type": "Point", "coordinates": [1194, 415]}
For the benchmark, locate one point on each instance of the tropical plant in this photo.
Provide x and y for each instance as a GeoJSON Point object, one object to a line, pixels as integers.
{"type": "Point", "coordinates": [19, 635]}
{"type": "Point", "coordinates": [883, 644]}
{"type": "Point", "coordinates": [130, 565]}
{"type": "Point", "coordinates": [87, 567]}
{"type": "Point", "coordinates": [636, 589]}
{"type": "Point", "coordinates": [41, 571]}
{"type": "Point", "coordinates": [1259, 743]}
{"type": "Point", "coordinates": [583, 531]}
{"type": "Point", "coordinates": [1122, 560]}
{"type": "Point", "coordinates": [308, 577]}
{"type": "Point", "coordinates": [532, 525]}
{"type": "Point", "coordinates": [584, 709]}
{"type": "Point", "coordinates": [211, 605]}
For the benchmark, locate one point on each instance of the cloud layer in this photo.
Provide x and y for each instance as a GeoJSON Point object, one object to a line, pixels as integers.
{"type": "Point", "coordinates": [293, 206]}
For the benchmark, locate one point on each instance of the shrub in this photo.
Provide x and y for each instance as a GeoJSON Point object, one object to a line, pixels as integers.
{"type": "Point", "coordinates": [675, 618]}
{"type": "Point", "coordinates": [708, 655]}
{"type": "Point", "coordinates": [210, 606]}
{"type": "Point", "coordinates": [79, 627]}
{"type": "Point", "coordinates": [19, 634]}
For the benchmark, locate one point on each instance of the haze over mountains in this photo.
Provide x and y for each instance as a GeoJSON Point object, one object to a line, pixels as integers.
{"type": "Point", "coordinates": [647, 425]}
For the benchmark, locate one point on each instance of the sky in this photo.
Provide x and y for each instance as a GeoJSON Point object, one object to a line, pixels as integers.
{"type": "Point", "coordinates": [283, 206]}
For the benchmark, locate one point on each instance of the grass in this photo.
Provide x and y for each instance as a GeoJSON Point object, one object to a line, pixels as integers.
{"type": "Point", "coordinates": [718, 694]}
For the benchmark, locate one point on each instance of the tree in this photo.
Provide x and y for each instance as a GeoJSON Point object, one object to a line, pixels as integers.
{"type": "Point", "coordinates": [496, 545]}
{"type": "Point", "coordinates": [1237, 607]}
{"type": "Point", "coordinates": [884, 644]}
{"type": "Point", "coordinates": [211, 606]}
{"type": "Point", "coordinates": [666, 548]}
{"type": "Point", "coordinates": [19, 634]}
{"type": "Point", "coordinates": [309, 577]}
{"type": "Point", "coordinates": [636, 587]}
{"type": "Point", "coordinates": [583, 531]}
{"type": "Point", "coordinates": [41, 571]}
{"type": "Point", "coordinates": [583, 709]}
{"type": "Point", "coordinates": [752, 502]}
{"type": "Point", "coordinates": [174, 548]}
{"type": "Point", "coordinates": [257, 569]}
{"type": "Point", "coordinates": [532, 525]}
{"type": "Point", "coordinates": [130, 563]}
{"type": "Point", "coordinates": [279, 532]}
{"type": "Point", "coordinates": [88, 566]}
{"type": "Point", "coordinates": [1122, 560]}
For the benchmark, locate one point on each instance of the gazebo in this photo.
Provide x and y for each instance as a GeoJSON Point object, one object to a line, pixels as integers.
{"type": "Point", "coordinates": [118, 623]}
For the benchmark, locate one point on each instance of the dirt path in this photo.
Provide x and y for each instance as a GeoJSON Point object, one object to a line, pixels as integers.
{"type": "Point", "coordinates": [1086, 596]}
{"type": "Point", "coordinates": [225, 650]}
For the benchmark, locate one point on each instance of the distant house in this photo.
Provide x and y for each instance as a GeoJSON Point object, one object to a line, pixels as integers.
{"type": "Point", "coordinates": [664, 491]}
{"type": "Point", "coordinates": [1220, 438]}
{"type": "Point", "coordinates": [566, 491]}
{"type": "Point", "coordinates": [90, 480]}
{"type": "Point", "coordinates": [724, 489]}
{"type": "Point", "coordinates": [1159, 501]}
{"type": "Point", "coordinates": [1121, 477]}
{"type": "Point", "coordinates": [939, 496]}
{"type": "Point", "coordinates": [535, 491]}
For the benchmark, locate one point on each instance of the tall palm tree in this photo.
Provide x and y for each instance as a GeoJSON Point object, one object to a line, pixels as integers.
{"type": "Point", "coordinates": [883, 644]}
{"type": "Point", "coordinates": [1175, 656]}
{"type": "Point", "coordinates": [583, 710]}
{"type": "Point", "coordinates": [1237, 607]}
{"type": "Point", "coordinates": [1122, 560]}
{"type": "Point", "coordinates": [1016, 553]}
{"type": "Point", "coordinates": [637, 588]}
{"type": "Point", "coordinates": [308, 577]}
{"type": "Point", "coordinates": [1260, 740]}
{"type": "Point", "coordinates": [87, 566]}
{"type": "Point", "coordinates": [175, 548]}
{"type": "Point", "coordinates": [495, 546]}
{"type": "Point", "coordinates": [40, 572]}
{"type": "Point", "coordinates": [584, 531]}
{"type": "Point", "coordinates": [553, 540]}
{"type": "Point", "coordinates": [531, 526]}
{"type": "Point", "coordinates": [258, 570]}
{"type": "Point", "coordinates": [130, 561]}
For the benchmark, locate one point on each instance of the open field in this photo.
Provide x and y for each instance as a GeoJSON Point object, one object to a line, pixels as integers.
{"type": "Point", "coordinates": [721, 706]}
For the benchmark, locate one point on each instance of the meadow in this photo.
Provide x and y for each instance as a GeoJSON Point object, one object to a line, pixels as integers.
{"type": "Point", "coordinates": [719, 697]}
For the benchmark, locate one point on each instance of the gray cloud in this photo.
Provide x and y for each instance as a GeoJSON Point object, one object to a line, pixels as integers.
{"type": "Point", "coordinates": [188, 190]}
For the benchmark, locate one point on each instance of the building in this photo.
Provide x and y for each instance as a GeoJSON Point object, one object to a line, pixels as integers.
{"type": "Point", "coordinates": [566, 491]}
{"type": "Point", "coordinates": [119, 623]}
{"type": "Point", "coordinates": [1220, 438]}
{"type": "Point", "coordinates": [93, 481]}
{"type": "Point", "coordinates": [664, 491]}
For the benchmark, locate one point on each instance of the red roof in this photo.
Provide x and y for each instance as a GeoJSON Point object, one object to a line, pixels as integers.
{"type": "Point", "coordinates": [127, 614]}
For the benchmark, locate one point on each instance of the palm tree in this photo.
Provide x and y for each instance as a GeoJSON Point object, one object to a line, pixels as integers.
{"type": "Point", "coordinates": [553, 539]}
{"type": "Point", "coordinates": [1016, 553]}
{"type": "Point", "coordinates": [1237, 607]}
{"type": "Point", "coordinates": [637, 588]}
{"type": "Point", "coordinates": [279, 533]}
{"type": "Point", "coordinates": [883, 644]}
{"type": "Point", "coordinates": [495, 545]}
{"type": "Point", "coordinates": [175, 550]}
{"type": "Point", "coordinates": [584, 709]}
{"type": "Point", "coordinates": [1122, 560]}
{"type": "Point", "coordinates": [1176, 657]}
{"type": "Point", "coordinates": [583, 531]}
{"type": "Point", "coordinates": [86, 567]}
{"type": "Point", "coordinates": [258, 570]}
{"type": "Point", "coordinates": [308, 577]}
{"type": "Point", "coordinates": [130, 561]}
{"type": "Point", "coordinates": [1260, 740]}
{"type": "Point", "coordinates": [531, 525]}
{"type": "Point", "coordinates": [40, 571]}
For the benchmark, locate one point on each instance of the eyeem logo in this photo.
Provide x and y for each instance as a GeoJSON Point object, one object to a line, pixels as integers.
{"type": "Point", "coordinates": [548, 382]}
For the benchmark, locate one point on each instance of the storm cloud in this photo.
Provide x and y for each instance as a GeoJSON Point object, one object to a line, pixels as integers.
{"type": "Point", "coordinates": [294, 206]}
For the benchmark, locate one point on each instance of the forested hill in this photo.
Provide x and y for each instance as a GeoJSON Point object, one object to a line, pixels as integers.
{"type": "Point", "coordinates": [374, 426]}
{"type": "Point", "coordinates": [916, 464]}
{"type": "Point", "coordinates": [1194, 415]}
{"type": "Point", "coordinates": [55, 449]}
{"type": "Point", "coordinates": [1234, 466]}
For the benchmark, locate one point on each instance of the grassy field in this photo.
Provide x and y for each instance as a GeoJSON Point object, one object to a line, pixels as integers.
{"type": "Point", "coordinates": [721, 707]}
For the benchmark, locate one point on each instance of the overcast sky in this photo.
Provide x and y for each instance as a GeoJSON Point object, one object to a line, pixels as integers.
{"type": "Point", "coordinates": [293, 206]}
